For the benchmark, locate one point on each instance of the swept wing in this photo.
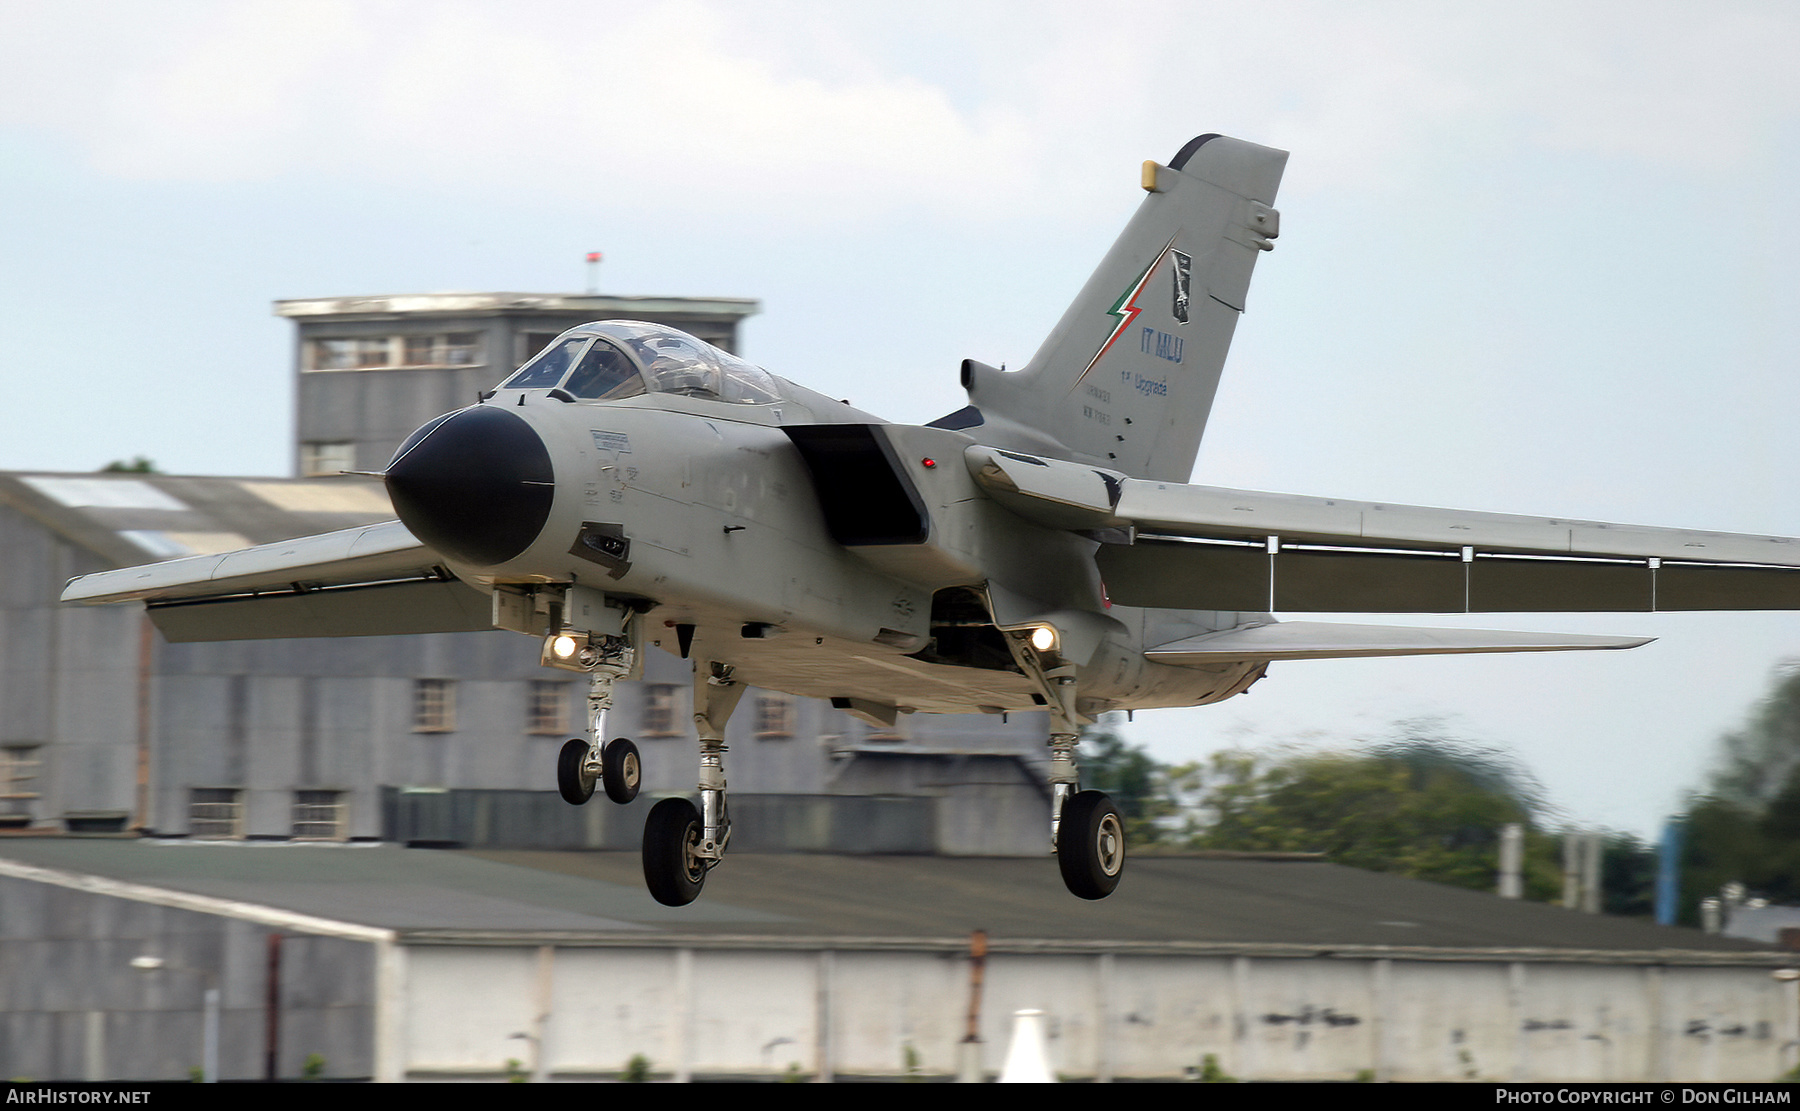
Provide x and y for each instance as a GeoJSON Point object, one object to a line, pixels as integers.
{"type": "Point", "coordinates": [1206, 547]}
{"type": "Point", "coordinates": [375, 580]}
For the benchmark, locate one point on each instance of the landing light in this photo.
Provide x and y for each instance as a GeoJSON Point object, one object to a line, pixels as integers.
{"type": "Point", "coordinates": [1043, 638]}
{"type": "Point", "coordinates": [563, 647]}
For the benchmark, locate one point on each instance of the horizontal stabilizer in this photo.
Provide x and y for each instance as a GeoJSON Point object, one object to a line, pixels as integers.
{"type": "Point", "coordinates": [1319, 640]}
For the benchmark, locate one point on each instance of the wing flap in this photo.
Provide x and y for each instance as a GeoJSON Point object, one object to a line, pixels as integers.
{"type": "Point", "coordinates": [1315, 640]}
{"type": "Point", "coordinates": [387, 609]}
{"type": "Point", "coordinates": [1180, 574]}
{"type": "Point", "coordinates": [1699, 587]}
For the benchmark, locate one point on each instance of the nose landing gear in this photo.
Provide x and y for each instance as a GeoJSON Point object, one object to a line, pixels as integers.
{"type": "Point", "coordinates": [573, 778]}
{"type": "Point", "coordinates": [615, 764]}
{"type": "Point", "coordinates": [617, 767]}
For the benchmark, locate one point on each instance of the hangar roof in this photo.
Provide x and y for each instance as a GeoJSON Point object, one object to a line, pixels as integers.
{"type": "Point", "coordinates": [128, 518]}
{"type": "Point", "coordinates": [1248, 905]}
{"type": "Point", "coordinates": [390, 305]}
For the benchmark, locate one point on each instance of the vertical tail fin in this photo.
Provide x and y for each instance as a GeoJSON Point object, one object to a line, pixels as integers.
{"type": "Point", "coordinates": [1127, 377]}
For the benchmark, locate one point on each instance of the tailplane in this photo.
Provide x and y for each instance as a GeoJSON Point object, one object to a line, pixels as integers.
{"type": "Point", "coordinates": [1127, 377]}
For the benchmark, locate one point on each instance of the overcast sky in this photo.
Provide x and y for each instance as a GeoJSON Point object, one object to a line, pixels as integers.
{"type": "Point", "coordinates": [1535, 258]}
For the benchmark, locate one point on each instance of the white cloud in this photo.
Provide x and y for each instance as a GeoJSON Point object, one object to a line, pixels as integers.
{"type": "Point", "coordinates": [657, 107]}
{"type": "Point", "coordinates": [799, 111]}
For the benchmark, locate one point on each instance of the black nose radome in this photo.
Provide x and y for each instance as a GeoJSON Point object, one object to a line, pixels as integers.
{"type": "Point", "coordinates": [476, 484]}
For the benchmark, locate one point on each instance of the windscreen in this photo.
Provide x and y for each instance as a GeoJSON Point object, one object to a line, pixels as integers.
{"type": "Point", "coordinates": [675, 362]}
{"type": "Point", "coordinates": [545, 371]}
{"type": "Point", "coordinates": [604, 374]}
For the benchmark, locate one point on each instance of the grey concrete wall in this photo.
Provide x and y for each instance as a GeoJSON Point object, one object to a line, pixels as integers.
{"type": "Point", "coordinates": [760, 823]}
{"type": "Point", "coordinates": [274, 717]}
{"type": "Point", "coordinates": [715, 1011]}
{"type": "Point", "coordinates": [68, 677]}
{"type": "Point", "coordinates": [73, 1008]}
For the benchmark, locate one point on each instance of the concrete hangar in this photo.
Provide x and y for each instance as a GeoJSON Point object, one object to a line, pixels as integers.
{"type": "Point", "coordinates": [394, 964]}
{"type": "Point", "coordinates": [278, 779]}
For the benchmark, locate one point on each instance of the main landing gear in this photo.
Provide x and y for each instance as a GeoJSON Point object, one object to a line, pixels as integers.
{"type": "Point", "coordinates": [1086, 833]}
{"type": "Point", "coordinates": [681, 843]}
{"type": "Point", "coordinates": [1090, 845]}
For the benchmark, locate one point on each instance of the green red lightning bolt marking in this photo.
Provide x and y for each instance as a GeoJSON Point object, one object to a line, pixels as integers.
{"type": "Point", "coordinates": [1125, 308]}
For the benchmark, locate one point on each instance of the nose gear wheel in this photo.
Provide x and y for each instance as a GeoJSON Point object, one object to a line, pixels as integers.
{"type": "Point", "coordinates": [622, 770]}
{"type": "Point", "coordinates": [572, 776]}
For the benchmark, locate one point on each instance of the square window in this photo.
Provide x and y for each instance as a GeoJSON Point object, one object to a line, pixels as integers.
{"type": "Point", "coordinates": [374, 351]}
{"type": "Point", "coordinates": [661, 701]}
{"type": "Point", "coordinates": [421, 351]}
{"type": "Point", "coordinates": [319, 815]}
{"type": "Point", "coordinates": [434, 706]}
{"type": "Point", "coordinates": [216, 813]}
{"type": "Point", "coordinates": [18, 782]}
{"type": "Point", "coordinates": [547, 707]}
{"type": "Point", "coordinates": [774, 716]}
{"type": "Point", "coordinates": [330, 354]}
{"type": "Point", "coordinates": [462, 349]}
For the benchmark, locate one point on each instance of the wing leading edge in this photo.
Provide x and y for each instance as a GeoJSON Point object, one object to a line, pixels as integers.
{"type": "Point", "coordinates": [375, 580]}
{"type": "Point", "coordinates": [1316, 640]}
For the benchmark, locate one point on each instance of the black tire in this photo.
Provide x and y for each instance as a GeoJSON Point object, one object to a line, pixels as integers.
{"type": "Point", "coordinates": [1090, 845]}
{"type": "Point", "coordinates": [672, 872]}
{"type": "Point", "coordinates": [575, 786]}
{"type": "Point", "coordinates": [623, 771]}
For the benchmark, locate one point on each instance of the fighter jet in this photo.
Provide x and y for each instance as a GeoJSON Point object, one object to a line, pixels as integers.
{"type": "Point", "coordinates": [632, 486]}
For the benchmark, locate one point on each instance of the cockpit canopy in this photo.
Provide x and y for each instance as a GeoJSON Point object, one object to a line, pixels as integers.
{"type": "Point", "coordinates": [612, 359]}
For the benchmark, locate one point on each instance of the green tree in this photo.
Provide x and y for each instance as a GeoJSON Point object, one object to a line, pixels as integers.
{"type": "Point", "coordinates": [1421, 805]}
{"type": "Point", "coordinates": [1721, 843]}
{"type": "Point", "coordinates": [1757, 762]}
{"type": "Point", "coordinates": [138, 465]}
{"type": "Point", "coordinates": [1745, 825]}
{"type": "Point", "coordinates": [1627, 876]}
